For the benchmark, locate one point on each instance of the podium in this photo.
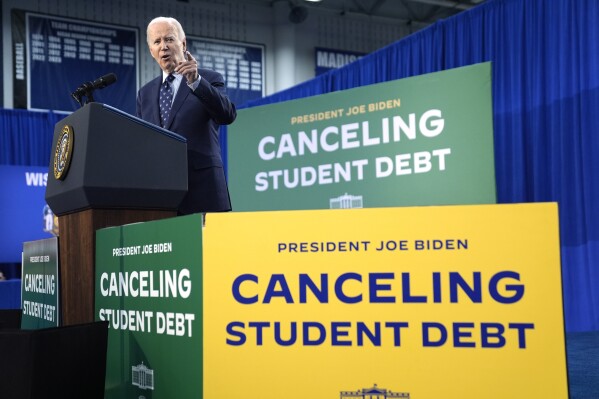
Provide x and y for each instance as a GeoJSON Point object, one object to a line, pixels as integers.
{"type": "Point", "coordinates": [107, 168]}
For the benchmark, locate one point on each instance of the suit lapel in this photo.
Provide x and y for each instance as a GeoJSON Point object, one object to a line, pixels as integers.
{"type": "Point", "coordinates": [182, 94]}
{"type": "Point", "coordinates": [155, 93]}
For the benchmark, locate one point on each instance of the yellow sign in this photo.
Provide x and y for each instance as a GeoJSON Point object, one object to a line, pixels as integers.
{"type": "Point", "coordinates": [429, 302]}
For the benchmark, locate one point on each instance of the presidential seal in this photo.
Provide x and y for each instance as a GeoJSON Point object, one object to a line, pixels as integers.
{"type": "Point", "coordinates": [63, 153]}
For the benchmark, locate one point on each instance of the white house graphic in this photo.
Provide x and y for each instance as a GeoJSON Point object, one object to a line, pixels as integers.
{"type": "Point", "coordinates": [346, 201]}
{"type": "Point", "coordinates": [142, 376]}
{"type": "Point", "coordinates": [373, 393]}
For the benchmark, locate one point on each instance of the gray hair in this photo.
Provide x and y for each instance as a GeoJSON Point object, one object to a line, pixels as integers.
{"type": "Point", "coordinates": [170, 21]}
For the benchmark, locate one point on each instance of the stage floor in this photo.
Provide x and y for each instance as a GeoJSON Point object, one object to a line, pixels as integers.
{"type": "Point", "coordinates": [582, 350]}
{"type": "Point", "coordinates": [583, 364]}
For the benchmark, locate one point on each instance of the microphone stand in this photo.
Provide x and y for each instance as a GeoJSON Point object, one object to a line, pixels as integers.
{"type": "Point", "coordinates": [88, 93]}
{"type": "Point", "coordinates": [87, 89]}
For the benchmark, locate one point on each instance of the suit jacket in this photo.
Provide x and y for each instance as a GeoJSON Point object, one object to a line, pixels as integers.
{"type": "Point", "coordinates": [196, 115]}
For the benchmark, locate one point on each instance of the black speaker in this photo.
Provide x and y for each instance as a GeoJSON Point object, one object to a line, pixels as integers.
{"type": "Point", "coordinates": [59, 362]}
{"type": "Point", "coordinates": [298, 14]}
{"type": "Point", "coordinates": [10, 318]}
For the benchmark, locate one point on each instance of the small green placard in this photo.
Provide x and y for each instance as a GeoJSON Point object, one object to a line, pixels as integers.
{"type": "Point", "coordinates": [40, 284]}
{"type": "Point", "coordinates": [149, 289]}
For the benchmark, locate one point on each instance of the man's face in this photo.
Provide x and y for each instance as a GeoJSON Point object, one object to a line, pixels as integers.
{"type": "Point", "coordinates": [166, 46]}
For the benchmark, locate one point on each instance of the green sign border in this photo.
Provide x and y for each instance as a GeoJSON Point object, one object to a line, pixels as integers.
{"type": "Point", "coordinates": [271, 166]}
{"type": "Point", "coordinates": [166, 365]}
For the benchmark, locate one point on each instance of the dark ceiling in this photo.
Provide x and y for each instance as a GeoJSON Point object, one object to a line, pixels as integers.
{"type": "Point", "coordinates": [405, 11]}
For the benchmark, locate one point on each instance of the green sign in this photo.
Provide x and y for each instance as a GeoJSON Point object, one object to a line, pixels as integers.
{"type": "Point", "coordinates": [149, 289]}
{"type": "Point", "coordinates": [39, 289]}
{"type": "Point", "coordinates": [425, 140]}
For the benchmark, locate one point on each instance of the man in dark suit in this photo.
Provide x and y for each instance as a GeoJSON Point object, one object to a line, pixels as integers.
{"type": "Point", "coordinates": [192, 102]}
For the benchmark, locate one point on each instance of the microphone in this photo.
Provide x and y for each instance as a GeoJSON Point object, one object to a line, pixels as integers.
{"type": "Point", "coordinates": [104, 81]}
{"type": "Point", "coordinates": [87, 88]}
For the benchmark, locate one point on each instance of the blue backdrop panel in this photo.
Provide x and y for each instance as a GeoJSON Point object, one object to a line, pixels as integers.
{"type": "Point", "coordinates": [26, 137]}
{"type": "Point", "coordinates": [10, 294]}
{"type": "Point", "coordinates": [64, 53]}
{"type": "Point", "coordinates": [21, 209]}
{"type": "Point", "coordinates": [241, 64]}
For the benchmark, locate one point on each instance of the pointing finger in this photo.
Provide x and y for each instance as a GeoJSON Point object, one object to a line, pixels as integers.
{"type": "Point", "coordinates": [189, 56]}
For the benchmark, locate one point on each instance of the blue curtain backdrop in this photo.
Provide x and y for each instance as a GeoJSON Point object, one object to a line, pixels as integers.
{"type": "Point", "coordinates": [26, 137]}
{"type": "Point", "coordinates": [545, 56]}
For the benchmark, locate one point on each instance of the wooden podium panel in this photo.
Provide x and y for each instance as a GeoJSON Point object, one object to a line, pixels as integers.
{"type": "Point", "coordinates": [77, 241]}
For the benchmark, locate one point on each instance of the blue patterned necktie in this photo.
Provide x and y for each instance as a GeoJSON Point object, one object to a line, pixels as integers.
{"type": "Point", "coordinates": [166, 99]}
